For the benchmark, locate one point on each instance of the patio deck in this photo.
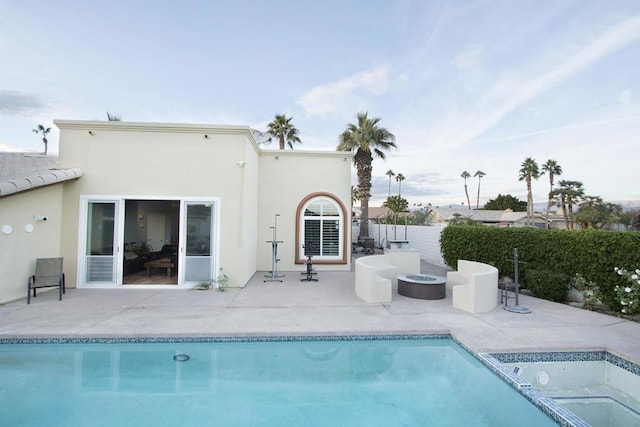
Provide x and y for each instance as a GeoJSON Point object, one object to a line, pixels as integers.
{"type": "Point", "coordinates": [327, 307]}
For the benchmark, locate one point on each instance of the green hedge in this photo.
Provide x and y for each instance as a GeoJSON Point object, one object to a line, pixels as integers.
{"type": "Point", "coordinates": [592, 253]}
{"type": "Point", "coordinates": [546, 284]}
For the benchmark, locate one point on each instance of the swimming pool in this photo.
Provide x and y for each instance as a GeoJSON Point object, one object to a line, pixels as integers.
{"type": "Point", "coordinates": [248, 381]}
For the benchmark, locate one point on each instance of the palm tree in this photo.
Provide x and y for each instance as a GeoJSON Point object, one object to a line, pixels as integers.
{"type": "Point", "coordinates": [366, 138]}
{"type": "Point", "coordinates": [282, 128]}
{"type": "Point", "coordinates": [575, 194]}
{"type": "Point", "coordinates": [44, 131]}
{"type": "Point", "coordinates": [400, 178]}
{"type": "Point", "coordinates": [561, 201]}
{"type": "Point", "coordinates": [479, 174]}
{"type": "Point", "coordinates": [572, 192]}
{"type": "Point", "coordinates": [552, 169]}
{"type": "Point", "coordinates": [596, 213]}
{"type": "Point", "coordinates": [390, 174]}
{"type": "Point", "coordinates": [113, 117]}
{"type": "Point", "coordinates": [355, 194]}
{"type": "Point", "coordinates": [529, 170]}
{"type": "Point", "coordinates": [465, 175]}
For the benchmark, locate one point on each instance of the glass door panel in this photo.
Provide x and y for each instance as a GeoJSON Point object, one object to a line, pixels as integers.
{"type": "Point", "coordinates": [198, 242]}
{"type": "Point", "coordinates": [101, 245]}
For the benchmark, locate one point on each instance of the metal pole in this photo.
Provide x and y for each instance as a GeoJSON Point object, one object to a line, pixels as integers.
{"type": "Point", "coordinates": [516, 287]}
{"type": "Point", "coordinates": [515, 268]}
{"type": "Point", "coordinates": [395, 227]}
{"type": "Point", "coordinates": [405, 227]}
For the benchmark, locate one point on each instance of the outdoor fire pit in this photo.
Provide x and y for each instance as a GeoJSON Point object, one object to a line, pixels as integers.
{"type": "Point", "coordinates": [422, 286]}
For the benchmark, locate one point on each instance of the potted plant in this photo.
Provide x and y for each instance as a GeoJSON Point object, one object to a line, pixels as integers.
{"type": "Point", "coordinates": [142, 249]}
{"type": "Point", "coordinates": [222, 281]}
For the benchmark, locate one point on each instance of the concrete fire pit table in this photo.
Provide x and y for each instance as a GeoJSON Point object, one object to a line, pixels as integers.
{"type": "Point", "coordinates": [422, 286]}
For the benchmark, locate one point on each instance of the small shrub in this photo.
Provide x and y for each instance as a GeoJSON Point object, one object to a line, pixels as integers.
{"type": "Point", "coordinates": [591, 294]}
{"type": "Point", "coordinates": [546, 284]}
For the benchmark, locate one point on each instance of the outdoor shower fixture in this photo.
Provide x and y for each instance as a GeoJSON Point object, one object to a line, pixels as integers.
{"type": "Point", "coordinates": [274, 276]}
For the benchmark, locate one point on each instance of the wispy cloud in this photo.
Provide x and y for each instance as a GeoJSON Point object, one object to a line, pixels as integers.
{"type": "Point", "coordinates": [13, 102]}
{"type": "Point", "coordinates": [6, 148]}
{"type": "Point", "coordinates": [625, 97]}
{"type": "Point", "coordinates": [346, 94]}
{"type": "Point", "coordinates": [468, 57]}
{"type": "Point", "coordinates": [564, 128]}
{"type": "Point", "coordinates": [613, 39]}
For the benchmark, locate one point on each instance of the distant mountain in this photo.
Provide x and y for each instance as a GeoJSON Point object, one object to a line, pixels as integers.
{"type": "Point", "coordinates": [627, 205]}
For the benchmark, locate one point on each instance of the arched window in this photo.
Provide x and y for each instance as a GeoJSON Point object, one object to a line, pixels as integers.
{"type": "Point", "coordinates": [321, 230]}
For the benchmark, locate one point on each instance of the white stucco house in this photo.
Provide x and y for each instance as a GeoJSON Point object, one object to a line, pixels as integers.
{"type": "Point", "coordinates": [204, 196]}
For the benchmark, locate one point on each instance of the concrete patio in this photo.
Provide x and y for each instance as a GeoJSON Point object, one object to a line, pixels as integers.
{"type": "Point", "coordinates": [327, 307]}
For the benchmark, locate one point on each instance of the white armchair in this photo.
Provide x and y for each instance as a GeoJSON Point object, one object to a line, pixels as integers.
{"type": "Point", "coordinates": [474, 286]}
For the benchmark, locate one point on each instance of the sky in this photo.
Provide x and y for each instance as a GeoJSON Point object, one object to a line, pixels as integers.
{"type": "Point", "coordinates": [463, 85]}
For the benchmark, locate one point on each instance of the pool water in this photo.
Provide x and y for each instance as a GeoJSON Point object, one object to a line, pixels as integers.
{"type": "Point", "coordinates": [407, 382]}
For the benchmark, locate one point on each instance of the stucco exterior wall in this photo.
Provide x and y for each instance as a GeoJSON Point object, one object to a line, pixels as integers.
{"type": "Point", "coordinates": [145, 161]}
{"type": "Point", "coordinates": [142, 160]}
{"type": "Point", "coordinates": [20, 248]}
{"type": "Point", "coordinates": [286, 177]}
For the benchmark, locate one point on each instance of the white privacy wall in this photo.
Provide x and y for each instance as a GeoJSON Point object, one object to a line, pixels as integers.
{"type": "Point", "coordinates": [424, 238]}
{"type": "Point", "coordinates": [427, 241]}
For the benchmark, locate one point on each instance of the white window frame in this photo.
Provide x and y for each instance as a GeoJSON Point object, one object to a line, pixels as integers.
{"type": "Point", "coordinates": [339, 217]}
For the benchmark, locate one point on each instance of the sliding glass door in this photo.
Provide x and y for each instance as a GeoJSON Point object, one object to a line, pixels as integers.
{"type": "Point", "coordinates": [101, 242]}
{"type": "Point", "coordinates": [198, 231]}
{"type": "Point", "coordinates": [117, 230]}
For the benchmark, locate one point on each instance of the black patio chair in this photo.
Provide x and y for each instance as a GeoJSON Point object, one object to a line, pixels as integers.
{"type": "Point", "coordinates": [368, 244]}
{"type": "Point", "coordinates": [49, 274]}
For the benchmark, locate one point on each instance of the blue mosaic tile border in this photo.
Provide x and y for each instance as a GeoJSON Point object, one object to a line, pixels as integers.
{"type": "Point", "coordinates": [569, 356]}
{"type": "Point", "coordinates": [623, 363]}
{"type": "Point", "coordinates": [219, 339]}
{"type": "Point", "coordinates": [560, 356]}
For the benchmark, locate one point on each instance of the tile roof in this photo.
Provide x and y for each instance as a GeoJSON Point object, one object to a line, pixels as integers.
{"type": "Point", "coordinates": [21, 165]}
{"type": "Point", "coordinates": [25, 171]}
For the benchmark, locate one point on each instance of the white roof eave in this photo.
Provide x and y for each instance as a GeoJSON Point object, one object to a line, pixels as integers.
{"type": "Point", "coordinates": [54, 176]}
